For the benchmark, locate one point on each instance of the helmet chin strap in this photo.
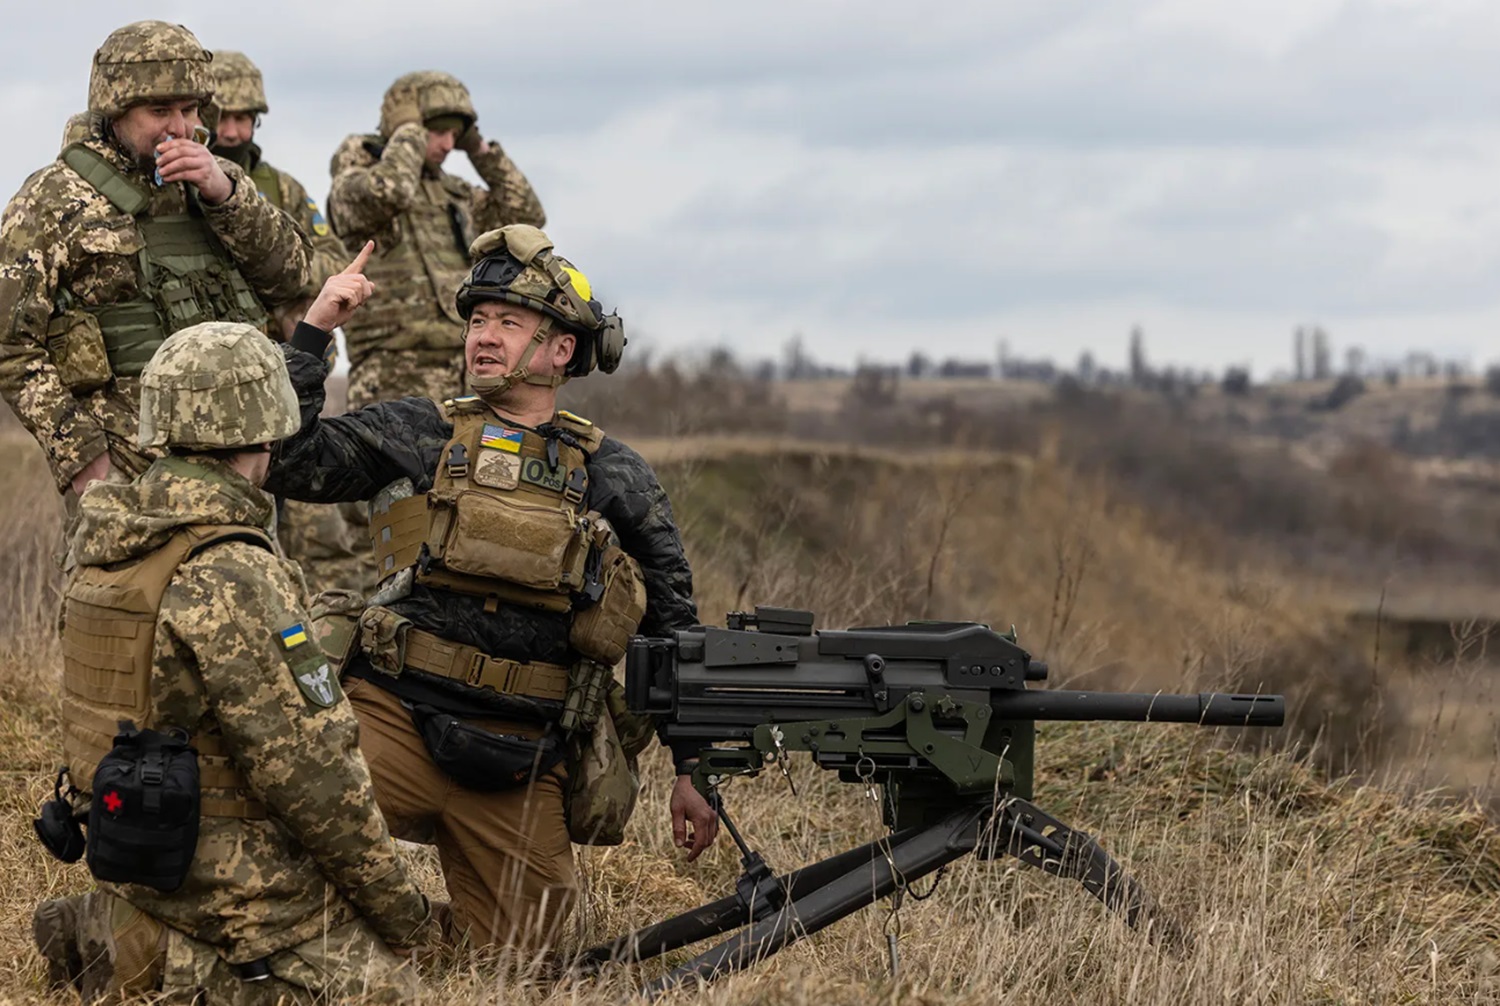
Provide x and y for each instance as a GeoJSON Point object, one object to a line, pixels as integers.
{"type": "Point", "coordinates": [491, 389]}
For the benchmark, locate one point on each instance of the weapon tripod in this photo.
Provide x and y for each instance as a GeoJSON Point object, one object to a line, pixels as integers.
{"type": "Point", "coordinates": [778, 911]}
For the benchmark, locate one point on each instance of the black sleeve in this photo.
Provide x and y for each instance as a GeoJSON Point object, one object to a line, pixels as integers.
{"type": "Point", "coordinates": [353, 456]}
{"type": "Point", "coordinates": [625, 490]}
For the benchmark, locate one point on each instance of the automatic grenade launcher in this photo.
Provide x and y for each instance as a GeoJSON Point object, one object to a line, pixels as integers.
{"type": "Point", "coordinates": [940, 715]}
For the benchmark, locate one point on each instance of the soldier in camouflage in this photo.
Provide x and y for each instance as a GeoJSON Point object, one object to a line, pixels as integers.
{"type": "Point", "coordinates": [239, 102]}
{"type": "Point", "coordinates": [390, 187]}
{"type": "Point", "coordinates": [475, 635]}
{"type": "Point", "coordinates": [332, 553]}
{"type": "Point", "coordinates": [296, 892]}
{"type": "Point", "coordinates": [134, 232]}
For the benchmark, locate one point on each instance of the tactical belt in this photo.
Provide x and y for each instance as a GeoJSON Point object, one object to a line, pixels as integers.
{"type": "Point", "coordinates": [436, 655]}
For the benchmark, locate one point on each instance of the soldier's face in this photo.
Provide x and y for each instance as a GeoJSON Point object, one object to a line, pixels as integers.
{"type": "Point", "coordinates": [236, 128]}
{"type": "Point", "coordinates": [497, 338]}
{"type": "Point", "coordinates": [439, 145]}
{"type": "Point", "coordinates": [142, 127]}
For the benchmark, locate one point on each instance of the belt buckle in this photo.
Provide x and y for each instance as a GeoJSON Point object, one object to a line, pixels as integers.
{"type": "Point", "coordinates": [476, 669]}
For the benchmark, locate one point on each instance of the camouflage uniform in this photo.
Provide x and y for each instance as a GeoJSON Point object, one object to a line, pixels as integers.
{"type": "Point", "coordinates": [505, 855]}
{"type": "Point", "coordinates": [62, 243]}
{"type": "Point", "coordinates": [332, 552]}
{"type": "Point", "coordinates": [422, 219]}
{"type": "Point", "coordinates": [312, 887]}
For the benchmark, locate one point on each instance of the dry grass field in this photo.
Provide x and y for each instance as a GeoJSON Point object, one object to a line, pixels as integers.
{"type": "Point", "coordinates": [1349, 858]}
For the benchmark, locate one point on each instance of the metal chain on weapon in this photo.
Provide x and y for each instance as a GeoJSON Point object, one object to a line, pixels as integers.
{"type": "Point", "coordinates": [864, 769]}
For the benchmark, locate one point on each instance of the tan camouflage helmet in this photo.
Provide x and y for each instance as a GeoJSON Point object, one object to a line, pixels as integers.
{"type": "Point", "coordinates": [148, 61]}
{"type": "Point", "coordinates": [215, 385]}
{"type": "Point", "coordinates": [516, 264]}
{"type": "Point", "coordinates": [238, 85]}
{"type": "Point", "coordinates": [434, 93]}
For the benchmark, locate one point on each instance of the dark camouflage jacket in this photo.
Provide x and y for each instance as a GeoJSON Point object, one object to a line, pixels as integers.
{"type": "Point", "coordinates": [222, 666]}
{"type": "Point", "coordinates": [354, 456]}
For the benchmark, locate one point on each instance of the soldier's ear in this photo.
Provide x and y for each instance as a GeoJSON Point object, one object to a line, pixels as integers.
{"type": "Point", "coordinates": [562, 352]}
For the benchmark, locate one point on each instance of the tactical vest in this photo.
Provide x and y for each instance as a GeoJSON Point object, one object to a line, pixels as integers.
{"type": "Point", "coordinates": [504, 518]}
{"type": "Point", "coordinates": [268, 183]}
{"type": "Point", "coordinates": [187, 276]}
{"type": "Point", "coordinates": [418, 267]}
{"type": "Point", "coordinates": [108, 639]}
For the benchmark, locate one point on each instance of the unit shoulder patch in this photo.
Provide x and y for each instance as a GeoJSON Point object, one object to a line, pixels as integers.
{"type": "Point", "coordinates": [318, 685]}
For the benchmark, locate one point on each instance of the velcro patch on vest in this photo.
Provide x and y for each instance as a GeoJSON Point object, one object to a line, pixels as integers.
{"type": "Point", "coordinates": [500, 439]}
{"type": "Point", "coordinates": [294, 635]}
{"type": "Point", "coordinates": [539, 473]}
{"type": "Point", "coordinates": [497, 469]}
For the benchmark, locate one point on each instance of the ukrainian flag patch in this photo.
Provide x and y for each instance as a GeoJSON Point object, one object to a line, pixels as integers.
{"type": "Point", "coordinates": [319, 225]}
{"type": "Point", "coordinates": [498, 438]}
{"type": "Point", "coordinates": [294, 636]}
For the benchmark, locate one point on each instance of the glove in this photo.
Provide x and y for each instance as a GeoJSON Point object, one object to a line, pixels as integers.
{"type": "Point", "coordinates": [404, 108]}
{"type": "Point", "coordinates": [471, 141]}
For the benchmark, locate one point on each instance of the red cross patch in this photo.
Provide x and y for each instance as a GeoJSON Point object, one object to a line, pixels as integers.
{"type": "Point", "coordinates": [113, 802]}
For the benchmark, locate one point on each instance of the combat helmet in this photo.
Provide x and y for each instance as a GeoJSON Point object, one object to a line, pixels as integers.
{"type": "Point", "coordinates": [238, 84]}
{"type": "Point", "coordinates": [516, 265]}
{"type": "Point", "coordinates": [214, 385]}
{"type": "Point", "coordinates": [436, 94]}
{"type": "Point", "coordinates": [148, 61]}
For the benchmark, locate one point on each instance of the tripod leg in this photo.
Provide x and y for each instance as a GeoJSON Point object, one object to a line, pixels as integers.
{"type": "Point", "coordinates": [726, 913]}
{"type": "Point", "coordinates": [916, 853]}
{"type": "Point", "coordinates": [1038, 839]}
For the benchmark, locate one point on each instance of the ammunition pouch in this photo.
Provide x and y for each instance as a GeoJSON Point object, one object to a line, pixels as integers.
{"type": "Point", "coordinates": [480, 760]}
{"type": "Point", "coordinates": [602, 785]}
{"type": "Point", "coordinates": [382, 638]}
{"type": "Point", "coordinates": [602, 629]}
{"type": "Point", "coordinates": [588, 684]}
{"type": "Point", "coordinates": [144, 812]}
{"type": "Point", "coordinates": [75, 344]}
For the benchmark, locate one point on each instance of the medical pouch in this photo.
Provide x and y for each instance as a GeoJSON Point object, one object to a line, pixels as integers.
{"type": "Point", "coordinates": [144, 810]}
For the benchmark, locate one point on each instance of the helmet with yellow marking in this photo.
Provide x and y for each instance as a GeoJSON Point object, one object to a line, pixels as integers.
{"type": "Point", "coordinates": [516, 265]}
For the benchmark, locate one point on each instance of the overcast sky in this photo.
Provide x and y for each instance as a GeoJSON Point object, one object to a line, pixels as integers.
{"type": "Point", "coordinates": [888, 176]}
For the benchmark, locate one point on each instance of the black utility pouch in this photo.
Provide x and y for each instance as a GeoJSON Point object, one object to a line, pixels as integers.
{"type": "Point", "coordinates": [479, 760]}
{"type": "Point", "coordinates": [57, 824]}
{"type": "Point", "coordinates": [143, 818]}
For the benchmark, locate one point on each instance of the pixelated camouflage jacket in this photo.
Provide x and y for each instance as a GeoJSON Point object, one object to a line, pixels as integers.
{"type": "Point", "coordinates": [422, 220]}
{"type": "Point", "coordinates": [288, 194]}
{"type": "Point", "coordinates": [59, 234]}
{"type": "Point", "coordinates": [354, 456]}
{"type": "Point", "coordinates": [221, 666]}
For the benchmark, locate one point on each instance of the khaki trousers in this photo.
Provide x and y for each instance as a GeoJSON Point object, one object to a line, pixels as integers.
{"type": "Point", "coordinates": [506, 857]}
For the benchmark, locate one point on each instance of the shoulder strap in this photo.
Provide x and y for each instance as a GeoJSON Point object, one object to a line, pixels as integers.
{"type": "Point", "coordinates": [464, 405]}
{"type": "Point", "coordinates": [589, 436]}
{"type": "Point", "coordinates": [205, 537]}
{"type": "Point", "coordinates": [106, 179]}
{"type": "Point", "coordinates": [268, 180]}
